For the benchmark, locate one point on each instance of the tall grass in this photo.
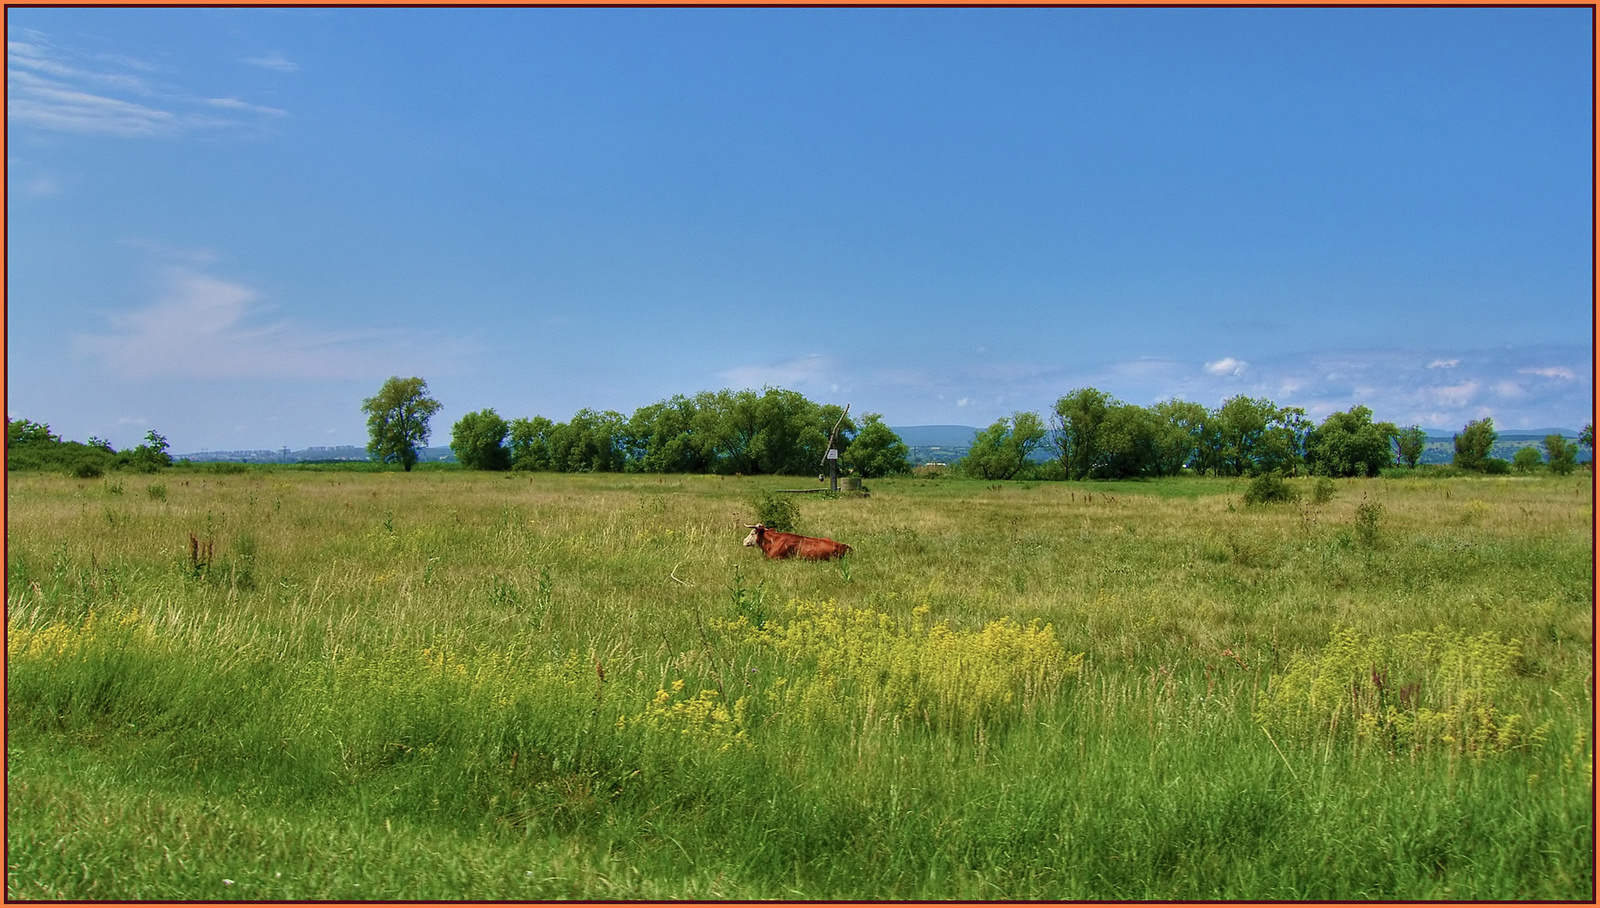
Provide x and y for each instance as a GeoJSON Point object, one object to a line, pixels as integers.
{"type": "Point", "coordinates": [456, 685]}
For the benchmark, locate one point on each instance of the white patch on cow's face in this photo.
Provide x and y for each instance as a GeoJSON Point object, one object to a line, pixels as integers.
{"type": "Point", "coordinates": [754, 538]}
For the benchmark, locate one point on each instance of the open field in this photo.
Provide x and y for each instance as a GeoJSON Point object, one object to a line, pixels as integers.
{"type": "Point", "coordinates": [285, 684]}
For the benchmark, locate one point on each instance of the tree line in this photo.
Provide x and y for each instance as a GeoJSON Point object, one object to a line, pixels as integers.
{"type": "Point", "coordinates": [1089, 435]}
{"type": "Point", "coordinates": [773, 431]}
{"type": "Point", "coordinates": [1092, 435]}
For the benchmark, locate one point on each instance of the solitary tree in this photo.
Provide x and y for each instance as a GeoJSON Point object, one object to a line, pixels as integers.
{"type": "Point", "coordinates": [397, 420]}
{"type": "Point", "coordinates": [1473, 444]}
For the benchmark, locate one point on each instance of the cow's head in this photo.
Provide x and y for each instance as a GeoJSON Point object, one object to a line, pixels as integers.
{"type": "Point", "coordinates": [756, 530]}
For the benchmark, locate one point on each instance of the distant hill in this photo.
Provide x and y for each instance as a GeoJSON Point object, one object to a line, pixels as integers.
{"type": "Point", "coordinates": [936, 436]}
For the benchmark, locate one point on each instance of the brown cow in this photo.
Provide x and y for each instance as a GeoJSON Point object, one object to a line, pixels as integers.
{"type": "Point", "coordinates": [775, 544]}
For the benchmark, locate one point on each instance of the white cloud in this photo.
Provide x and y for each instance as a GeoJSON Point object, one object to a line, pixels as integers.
{"type": "Point", "coordinates": [1227, 366]}
{"type": "Point", "coordinates": [1444, 364]}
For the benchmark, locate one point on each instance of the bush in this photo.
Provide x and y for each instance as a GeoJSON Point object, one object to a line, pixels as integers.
{"type": "Point", "coordinates": [776, 512]}
{"type": "Point", "coordinates": [1527, 460]}
{"type": "Point", "coordinates": [1368, 516]}
{"type": "Point", "coordinates": [1269, 488]}
{"type": "Point", "coordinates": [88, 469]}
{"type": "Point", "coordinates": [1496, 466]}
{"type": "Point", "coordinates": [1324, 490]}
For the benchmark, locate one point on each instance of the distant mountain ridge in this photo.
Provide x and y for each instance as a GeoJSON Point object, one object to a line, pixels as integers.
{"type": "Point", "coordinates": [936, 436]}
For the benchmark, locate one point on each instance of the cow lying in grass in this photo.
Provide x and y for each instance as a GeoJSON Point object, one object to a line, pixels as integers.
{"type": "Point", "coordinates": [775, 544]}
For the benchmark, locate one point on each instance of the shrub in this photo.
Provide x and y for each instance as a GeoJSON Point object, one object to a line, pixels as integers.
{"type": "Point", "coordinates": [1324, 490]}
{"type": "Point", "coordinates": [1496, 466]}
{"type": "Point", "coordinates": [1269, 488]}
{"type": "Point", "coordinates": [1527, 460]}
{"type": "Point", "coordinates": [87, 469]}
{"type": "Point", "coordinates": [776, 512]}
{"type": "Point", "coordinates": [1368, 514]}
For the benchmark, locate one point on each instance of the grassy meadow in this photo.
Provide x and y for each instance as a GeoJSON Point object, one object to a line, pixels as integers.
{"type": "Point", "coordinates": [322, 684]}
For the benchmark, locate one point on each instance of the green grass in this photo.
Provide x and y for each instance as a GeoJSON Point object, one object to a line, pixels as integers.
{"type": "Point", "coordinates": [443, 685]}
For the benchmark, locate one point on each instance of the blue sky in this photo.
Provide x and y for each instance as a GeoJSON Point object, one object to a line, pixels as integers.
{"type": "Point", "coordinates": [231, 225]}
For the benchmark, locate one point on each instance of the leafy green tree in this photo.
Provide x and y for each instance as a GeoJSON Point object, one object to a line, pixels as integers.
{"type": "Point", "coordinates": [478, 440]}
{"type": "Point", "coordinates": [1002, 450]}
{"type": "Point", "coordinates": [1527, 459]}
{"type": "Point", "coordinates": [530, 444]}
{"type": "Point", "coordinates": [725, 424]}
{"type": "Point", "coordinates": [152, 455]}
{"type": "Point", "coordinates": [660, 438]}
{"type": "Point", "coordinates": [1409, 444]}
{"type": "Point", "coordinates": [1254, 435]}
{"type": "Point", "coordinates": [1563, 454]}
{"type": "Point", "coordinates": [876, 450]}
{"type": "Point", "coordinates": [791, 433]}
{"type": "Point", "coordinates": [397, 420]}
{"type": "Point", "coordinates": [1473, 444]}
{"type": "Point", "coordinates": [1586, 439]}
{"type": "Point", "coordinates": [592, 442]}
{"type": "Point", "coordinates": [777, 431]}
{"type": "Point", "coordinates": [1180, 430]}
{"type": "Point", "coordinates": [25, 432]}
{"type": "Point", "coordinates": [1127, 443]}
{"type": "Point", "coordinates": [1350, 444]}
{"type": "Point", "coordinates": [1075, 429]}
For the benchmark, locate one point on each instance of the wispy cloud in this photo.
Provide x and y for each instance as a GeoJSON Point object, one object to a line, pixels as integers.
{"type": "Point", "coordinates": [810, 370]}
{"type": "Point", "coordinates": [236, 104]}
{"type": "Point", "coordinates": [205, 327]}
{"type": "Point", "coordinates": [273, 61]}
{"type": "Point", "coordinates": [1560, 372]}
{"type": "Point", "coordinates": [53, 87]}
